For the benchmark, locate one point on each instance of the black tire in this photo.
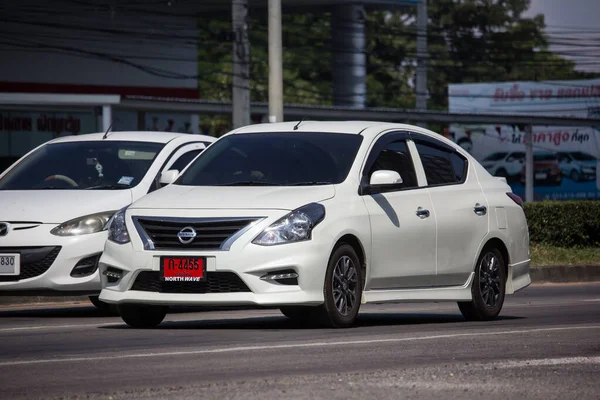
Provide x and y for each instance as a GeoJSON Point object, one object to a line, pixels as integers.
{"type": "Point", "coordinates": [575, 175]}
{"type": "Point", "coordinates": [298, 313]}
{"type": "Point", "coordinates": [100, 305]}
{"type": "Point", "coordinates": [482, 307]}
{"type": "Point", "coordinates": [335, 312]}
{"type": "Point", "coordinates": [142, 316]}
{"type": "Point", "coordinates": [502, 173]}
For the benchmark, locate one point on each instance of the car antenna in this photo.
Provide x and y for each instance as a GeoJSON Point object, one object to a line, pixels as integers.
{"type": "Point", "coordinates": [108, 130]}
{"type": "Point", "coordinates": [298, 124]}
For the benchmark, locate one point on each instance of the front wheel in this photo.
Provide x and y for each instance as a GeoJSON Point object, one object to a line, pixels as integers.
{"type": "Point", "coordinates": [142, 316]}
{"type": "Point", "coordinates": [488, 288]}
{"type": "Point", "coordinates": [342, 290]}
{"type": "Point", "coordinates": [575, 175]}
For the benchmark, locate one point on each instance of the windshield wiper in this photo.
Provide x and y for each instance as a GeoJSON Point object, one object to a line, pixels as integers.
{"type": "Point", "coordinates": [311, 183]}
{"type": "Point", "coordinates": [249, 183]}
{"type": "Point", "coordinates": [109, 186]}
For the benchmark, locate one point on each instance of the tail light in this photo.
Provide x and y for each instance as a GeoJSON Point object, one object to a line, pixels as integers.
{"type": "Point", "coordinates": [516, 199]}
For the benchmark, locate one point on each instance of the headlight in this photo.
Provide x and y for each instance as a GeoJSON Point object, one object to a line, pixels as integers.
{"type": "Point", "coordinates": [117, 230]}
{"type": "Point", "coordinates": [296, 226]}
{"type": "Point", "coordinates": [84, 225]}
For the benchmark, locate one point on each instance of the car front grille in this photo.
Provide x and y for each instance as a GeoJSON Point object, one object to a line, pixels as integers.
{"type": "Point", "coordinates": [34, 261]}
{"type": "Point", "coordinates": [211, 233]}
{"type": "Point", "coordinates": [216, 282]}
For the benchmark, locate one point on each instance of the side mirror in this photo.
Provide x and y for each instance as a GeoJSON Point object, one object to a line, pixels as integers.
{"type": "Point", "coordinates": [385, 177]}
{"type": "Point", "coordinates": [168, 177]}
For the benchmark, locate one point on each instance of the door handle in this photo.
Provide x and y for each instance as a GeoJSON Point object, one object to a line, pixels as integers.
{"type": "Point", "coordinates": [479, 209]}
{"type": "Point", "coordinates": [421, 213]}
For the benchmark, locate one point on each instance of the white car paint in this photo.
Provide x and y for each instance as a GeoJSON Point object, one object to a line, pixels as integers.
{"type": "Point", "coordinates": [30, 215]}
{"type": "Point", "coordinates": [407, 257]}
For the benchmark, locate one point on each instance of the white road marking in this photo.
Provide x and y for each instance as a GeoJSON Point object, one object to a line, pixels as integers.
{"type": "Point", "coordinates": [593, 300]}
{"type": "Point", "coordinates": [29, 328]}
{"type": "Point", "coordinates": [290, 346]}
{"type": "Point", "coordinates": [548, 361]}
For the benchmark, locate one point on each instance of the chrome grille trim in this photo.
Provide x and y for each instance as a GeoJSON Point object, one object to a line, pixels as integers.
{"type": "Point", "coordinates": [225, 245]}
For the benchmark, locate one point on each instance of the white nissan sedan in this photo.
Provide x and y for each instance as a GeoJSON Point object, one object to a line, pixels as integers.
{"type": "Point", "coordinates": [55, 203]}
{"type": "Point", "coordinates": [317, 218]}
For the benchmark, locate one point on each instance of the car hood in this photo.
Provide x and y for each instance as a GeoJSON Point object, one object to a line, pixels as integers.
{"type": "Point", "coordinates": [58, 206]}
{"type": "Point", "coordinates": [238, 197]}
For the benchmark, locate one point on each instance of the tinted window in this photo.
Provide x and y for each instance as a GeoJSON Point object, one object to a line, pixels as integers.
{"type": "Point", "coordinates": [495, 157]}
{"type": "Point", "coordinates": [396, 157]}
{"type": "Point", "coordinates": [302, 158]}
{"type": "Point", "coordinates": [441, 166]}
{"type": "Point", "coordinates": [106, 164]}
{"type": "Point", "coordinates": [579, 156]}
{"type": "Point", "coordinates": [185, 159]}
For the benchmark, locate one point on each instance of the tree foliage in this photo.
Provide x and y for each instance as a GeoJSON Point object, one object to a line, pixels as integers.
{"type": "Point", "coordinates": [468, 41]}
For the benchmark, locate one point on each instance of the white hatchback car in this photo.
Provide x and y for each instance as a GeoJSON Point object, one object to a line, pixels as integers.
{"type": "Point", "coordinates": [317, 218]}
{"type": "Point", "coordinates": [55, 203]}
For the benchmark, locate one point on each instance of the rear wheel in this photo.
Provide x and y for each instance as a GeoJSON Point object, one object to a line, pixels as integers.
{"type": "Point", "coordinates": [342, 290]}
{"type": "Point", "coordinates": [488, 288]}
{"type": "Point", "coordinates": [575, 175]}
{"type": "Point", "coordinates": [142, 316]}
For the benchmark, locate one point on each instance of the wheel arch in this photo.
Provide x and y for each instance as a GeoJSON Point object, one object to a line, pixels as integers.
{"type": "Point", "coordinates": [357, 245]}
{"type": "Point", "coordinates": [497, 243]}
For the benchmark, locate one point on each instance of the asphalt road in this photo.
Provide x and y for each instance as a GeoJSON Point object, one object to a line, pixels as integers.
{"type": "Point", "coordinates": [546, 345]}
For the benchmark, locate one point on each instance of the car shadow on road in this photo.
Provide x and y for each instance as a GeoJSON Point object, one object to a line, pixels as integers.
{"type": "Point", "coordinates": [283, 323]}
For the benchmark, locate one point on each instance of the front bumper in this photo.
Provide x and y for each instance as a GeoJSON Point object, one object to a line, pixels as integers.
{"type": "Point", "coordinates": [234, 275]}
{"type": "Point", "coordinates": [47, 261]}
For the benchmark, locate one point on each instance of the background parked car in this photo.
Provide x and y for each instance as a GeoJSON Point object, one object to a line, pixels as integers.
{"type": "Point", "coordinates": [505, 164]}
{"type": "Point", "coordinates": [578, 165]}
{"type": "Point", "coordinates": [546, 170]}
{"type": "Point", "coordinates": [58, 199]}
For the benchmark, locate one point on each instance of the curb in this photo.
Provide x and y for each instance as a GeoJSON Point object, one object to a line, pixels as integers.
{"type": "Point", "coordinates": [539, 274]}
{"type": "Point", "coordinates": [565, 273]}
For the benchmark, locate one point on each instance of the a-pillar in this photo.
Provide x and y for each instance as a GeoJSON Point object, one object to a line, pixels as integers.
{"type": "Point", "coordinates": [349, 55]}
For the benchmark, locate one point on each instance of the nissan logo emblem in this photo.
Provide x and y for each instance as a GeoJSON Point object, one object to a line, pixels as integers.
{"type": "Point", "coordinates": [4, 229]}
{"type": "Point", "coordinates": [186, 235]}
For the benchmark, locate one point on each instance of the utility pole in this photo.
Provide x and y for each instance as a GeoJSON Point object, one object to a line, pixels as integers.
{"type": "Point", "coordinates": [275, 63]}
{"type": "Point", "coordinates": [528, 164]}
{"type": "Point", "coordinates": [421, 84]}
{"type": "Point", "coordinates": [241, 64]}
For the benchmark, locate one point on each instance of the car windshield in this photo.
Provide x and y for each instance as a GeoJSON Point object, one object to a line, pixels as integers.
{"type": "Point", "coordinates": [579, 156]}
{"type": "Point", "coordinates": [278, 159]}
{"type": "Point", "coordinates": [101, 165]}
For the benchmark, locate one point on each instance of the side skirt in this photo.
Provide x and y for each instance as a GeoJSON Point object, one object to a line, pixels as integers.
{"type": "Point", "coordinates": [444, 293]}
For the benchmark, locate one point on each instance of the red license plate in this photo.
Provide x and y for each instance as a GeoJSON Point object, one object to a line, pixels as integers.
{"type": "Point", "coordinates": [183, 269]}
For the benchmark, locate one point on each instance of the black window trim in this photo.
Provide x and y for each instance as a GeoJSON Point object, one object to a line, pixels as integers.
{"type": "Point", "coordinates": [155, 182]}
{"type": "Point", "coordinates": [423, 139]}
{"type": "Point", "coordinates": [395, 136]}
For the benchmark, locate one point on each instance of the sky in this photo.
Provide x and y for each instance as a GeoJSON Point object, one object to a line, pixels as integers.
{"type": "Point", "coordinates": [574, 29]}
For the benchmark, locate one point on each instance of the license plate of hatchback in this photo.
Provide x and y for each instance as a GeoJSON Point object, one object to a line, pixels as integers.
{"type": "Point", "coordinates": [541, 175]}
{"type": "Point", "coordinates": [183, 269]}
{"type": "Point", "coordinates": [10, 264]}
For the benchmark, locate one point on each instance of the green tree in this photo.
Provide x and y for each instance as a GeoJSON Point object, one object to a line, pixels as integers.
{"type": "Point", "coordinates": [468, 41]}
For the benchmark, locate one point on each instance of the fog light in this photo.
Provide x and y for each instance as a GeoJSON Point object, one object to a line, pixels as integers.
{"type": "Point", "coordinates": [113, 274]}
{"type": "Point", "coordinates": [285, 277]}
{"type": "Point", "coordinates": [86, 266]}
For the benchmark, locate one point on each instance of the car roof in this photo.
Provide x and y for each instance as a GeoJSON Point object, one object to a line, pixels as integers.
{"type": "Point", "coordinates": [138, 136]}
{"type": "Point", "coordinates": [364, 128]}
